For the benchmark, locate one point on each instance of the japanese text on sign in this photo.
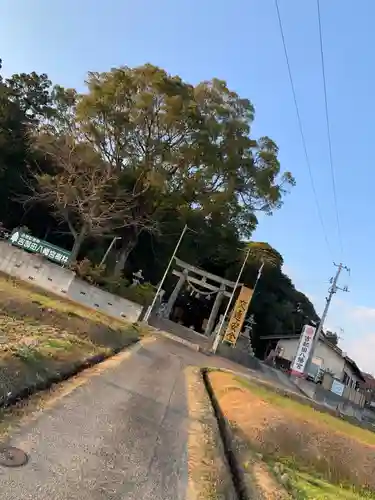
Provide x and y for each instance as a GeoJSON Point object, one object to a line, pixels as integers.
{"type": "Point", "coordinates": [238, 316]}
{"type": "Point", "coordinates": [35, 245]}
{"type": "Point", "coordinates": [303, 350]}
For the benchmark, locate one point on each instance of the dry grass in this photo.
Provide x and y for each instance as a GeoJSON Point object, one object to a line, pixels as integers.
{"type": "Point", "coordinates": [306, 440]}
{"type": "Point", "coordinates": [14, 293]}
{"type": "Point", "coordinates": [42, 336]}
{"type": "Point", "coordinates": [306, 411]}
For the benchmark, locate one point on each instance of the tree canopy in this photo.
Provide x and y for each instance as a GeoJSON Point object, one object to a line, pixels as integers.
{"type": "Point", "coordinates": [136, 156]}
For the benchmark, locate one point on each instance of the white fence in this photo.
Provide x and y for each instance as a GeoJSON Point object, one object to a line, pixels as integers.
{"type": "Point", "coordinates": [39, 271]}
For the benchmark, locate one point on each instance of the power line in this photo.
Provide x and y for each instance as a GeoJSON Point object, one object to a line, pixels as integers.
{"type": "Point", "coordinates": [301, 130]}
{"type": "Point", "coordinates": [329, 128]}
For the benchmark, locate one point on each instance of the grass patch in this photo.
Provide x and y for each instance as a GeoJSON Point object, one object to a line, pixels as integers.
{"type": "Point", "coordinates": [320, 456]}
{"type": "Point", "coordinates": [14, 292]}
{"type": "Point", "coordinates": [43, 336]}
{"type": "Point", "coordinates": [307, 486]}
{"type": "Point", "coordinates": [306, 411]}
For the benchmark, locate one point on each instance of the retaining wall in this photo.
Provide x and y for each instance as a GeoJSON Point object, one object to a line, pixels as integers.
{"type": "Point", "coordinates": [236, 354]}
{"type": "Point", "coordinates": [41, 272]}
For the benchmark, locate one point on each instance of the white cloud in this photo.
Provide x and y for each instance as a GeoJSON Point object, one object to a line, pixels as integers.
{"type": "Point", "coordinates": [362, 350]}
{"type": "Point", "coordinates": [363, 313]}
{"type": "Point", "coordinates": [358, 323]}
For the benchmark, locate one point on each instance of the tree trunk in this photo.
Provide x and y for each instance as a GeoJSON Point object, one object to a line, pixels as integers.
{"type": "Point", "coordinates": [126, 249]}
{"type": "Point", "coordinates": [78, 240]}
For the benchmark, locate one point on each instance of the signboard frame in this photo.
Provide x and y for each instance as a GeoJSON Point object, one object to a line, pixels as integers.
{"type": "Point", "coordinates": [35, 245]}
{"type": "Point", "coordinates": [303, 351]}
{"type": "Point", "coordinates": [337, 387]}
{"type": "Point", "coordinates": [238, 316]}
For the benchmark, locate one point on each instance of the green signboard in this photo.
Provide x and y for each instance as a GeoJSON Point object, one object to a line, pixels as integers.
{"type": "Point", "coordinates": [35, 245]}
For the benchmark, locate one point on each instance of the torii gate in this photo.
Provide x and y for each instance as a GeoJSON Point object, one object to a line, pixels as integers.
{"type": "Point", "coordinates": [193, 275]}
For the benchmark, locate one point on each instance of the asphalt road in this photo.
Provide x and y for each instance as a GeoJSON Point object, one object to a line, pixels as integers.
{"type": "Point", "coordinates": [121, 435]}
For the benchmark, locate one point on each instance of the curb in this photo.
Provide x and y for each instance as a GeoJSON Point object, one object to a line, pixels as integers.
{"type": "Point", "coordinates": [238, 475]}
{"type": "Point", "coordinates": [243, 477]}
{"type": "Point", "coordinates": [184, 342]}
{"type": "Point", "coordinates": [209, 475]}
{"type": "Point", "coordinates": [63, 375]}
{"type": "Point", "coordinates": [170, 336]}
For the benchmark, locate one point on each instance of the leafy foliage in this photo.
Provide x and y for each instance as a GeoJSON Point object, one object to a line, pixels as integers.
{"type": "Point", "coordinates": [137, 155]}
{"type": "Point", "coordinates": [173, 147]}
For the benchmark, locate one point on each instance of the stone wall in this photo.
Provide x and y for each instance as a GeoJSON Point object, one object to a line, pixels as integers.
{"type": "Point", "coordinates": [239, 356]}
{"type": "Point", "coordinates": [41, 272]}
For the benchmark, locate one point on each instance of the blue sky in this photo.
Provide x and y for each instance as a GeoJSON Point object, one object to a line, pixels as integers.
{"type": "Point", "coordinates": [240, 41]}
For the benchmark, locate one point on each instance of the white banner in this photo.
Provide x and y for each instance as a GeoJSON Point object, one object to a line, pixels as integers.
{"type": "Point", "coordinates": [303, 350]}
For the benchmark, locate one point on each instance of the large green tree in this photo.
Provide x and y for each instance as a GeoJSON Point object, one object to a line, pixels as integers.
{"type": "Point", "coordinates": [137, 155]}
{"type": "Point", "coordinates": [24, 104]}
{"type": "Point", "coordinates": [32, 93]}
{"type": "Point", "coordinates": [13, 152]}
{"type": "Point", "coordinates": [175, 145]}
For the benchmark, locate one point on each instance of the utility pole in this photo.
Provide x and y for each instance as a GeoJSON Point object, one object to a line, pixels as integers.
{"type": "Point", "coordinates": [332, 290]}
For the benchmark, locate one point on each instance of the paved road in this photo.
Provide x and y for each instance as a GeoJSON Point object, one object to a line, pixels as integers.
{"type": "Point", "coordinates": [121, 435]}
{"type": "Point", "coordinates": [276, 378]}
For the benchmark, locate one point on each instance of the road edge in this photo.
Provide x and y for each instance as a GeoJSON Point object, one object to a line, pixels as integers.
{"type": "Point", "coordinates": [240, 480]}
{"type": "Point", "coordinates": [66, 374]}
{"type": "Point", "coordinates": [209, 476]}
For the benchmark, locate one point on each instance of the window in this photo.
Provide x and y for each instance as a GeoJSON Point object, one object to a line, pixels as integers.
{"type": "Point", "coordinates": [317, 361]}
{"type": "Point", "coordinates": [346, 379]}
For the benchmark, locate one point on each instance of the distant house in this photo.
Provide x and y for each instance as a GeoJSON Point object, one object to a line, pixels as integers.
{"type": "Point", "coordinates": [368, 387]}
{"type": "Point", "coordinates": [328, 357]}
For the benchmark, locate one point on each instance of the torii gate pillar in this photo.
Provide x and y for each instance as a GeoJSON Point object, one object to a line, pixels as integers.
{"type": "Point", "coordinates": [215, 309]}
{"type": "Point", "coordinates": [173, 297]}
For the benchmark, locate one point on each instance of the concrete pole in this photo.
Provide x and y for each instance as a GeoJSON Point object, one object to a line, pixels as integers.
{"type": "Point", "coordinates": [215, 310]}
{"type": "Point", "coordinates": [148, 312]}
{"type": "Point", "coordinates": [109, 249]}
{"type": "Point", "coordinates": [315, 341]}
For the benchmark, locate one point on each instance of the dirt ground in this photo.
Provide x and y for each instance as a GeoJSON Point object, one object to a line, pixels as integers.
{"type": "Point", "coordinates": [277, 429]}
{"type": "Point", "coordinates": [42, 336]}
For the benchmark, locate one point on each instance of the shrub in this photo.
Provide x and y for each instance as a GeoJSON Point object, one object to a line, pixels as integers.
{"type": "Point", "coordinates": [143, 294]}
{"type": "Point", "coordinates": [95, 275]}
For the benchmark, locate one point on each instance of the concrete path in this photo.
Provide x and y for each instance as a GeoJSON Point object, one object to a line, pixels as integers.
{"type": "Point", "coordinates": [120, 435]}
{"type": "Point", "coordinates": [278, 378]}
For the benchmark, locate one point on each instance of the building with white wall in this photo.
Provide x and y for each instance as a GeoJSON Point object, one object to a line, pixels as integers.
{"type": "Point", "coordinates": [326, 356]}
